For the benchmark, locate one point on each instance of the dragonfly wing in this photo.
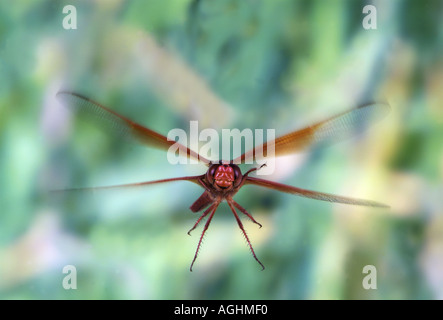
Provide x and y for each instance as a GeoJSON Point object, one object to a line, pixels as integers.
{"type": "Point", "coordinates": [312, 194]}
{"type": "Point", "coordinates": [329, 131]}
{"type": "Point", "coordinates": [194, 179]}
{"type": "Point", "coordinates": [122, 125]}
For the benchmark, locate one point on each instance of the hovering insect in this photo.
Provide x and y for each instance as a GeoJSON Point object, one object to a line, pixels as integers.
{"type": "Point", "coordinates": [224, 179]}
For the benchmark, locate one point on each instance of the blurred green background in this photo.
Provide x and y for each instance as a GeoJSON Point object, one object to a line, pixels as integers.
{"type": "Point", "coordinates": [228, 64]}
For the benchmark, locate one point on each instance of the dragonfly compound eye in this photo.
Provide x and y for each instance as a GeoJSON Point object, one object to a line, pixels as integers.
{"type": "Point", "coordinates": [238, 176]}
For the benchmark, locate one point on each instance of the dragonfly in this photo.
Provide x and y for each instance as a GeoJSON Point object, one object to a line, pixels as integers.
{"type": "Point", "coordinates": [224, 178]}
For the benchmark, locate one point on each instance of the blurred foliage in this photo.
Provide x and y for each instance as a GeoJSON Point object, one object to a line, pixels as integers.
{"type": "Point", "coordinates": [229, 64]}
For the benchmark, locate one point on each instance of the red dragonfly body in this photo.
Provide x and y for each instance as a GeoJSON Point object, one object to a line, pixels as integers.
{"type": "Point", "coordinates": [224, 179]}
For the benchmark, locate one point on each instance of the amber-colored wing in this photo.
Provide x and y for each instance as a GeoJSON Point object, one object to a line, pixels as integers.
{"type": "Point", "coordinates": [312, 194]}
{"type": "Point", "coordinates": [122, 125]}
{"type": "Point", "coordinates": [329, 131]}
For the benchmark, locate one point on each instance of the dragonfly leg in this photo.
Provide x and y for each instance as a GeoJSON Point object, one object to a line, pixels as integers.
{"type": "Point", "coordinates": [243, 210]}
{"type": "Point", "coordinates": [244, 233]}
{"type": "Point", "coordinates": [201, 217]}
{"type": "Point", "coordinates": [213, 209]}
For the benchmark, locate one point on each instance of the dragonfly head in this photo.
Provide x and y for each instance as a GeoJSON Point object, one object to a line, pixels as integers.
{"type": "Point", "coordinates": [224, 175]}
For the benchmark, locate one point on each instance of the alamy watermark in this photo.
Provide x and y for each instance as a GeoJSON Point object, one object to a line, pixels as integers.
{"type": "Point", "coordinates": [70, 19]}
{"type": "Point", "coordinates": [242, 142]}
{"type": "Point", "coordinates": [370, 280]}
{"type": "Point", "coordinates": [70, 280]}
{"type": "Point", "coordinates": [370, 20]}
